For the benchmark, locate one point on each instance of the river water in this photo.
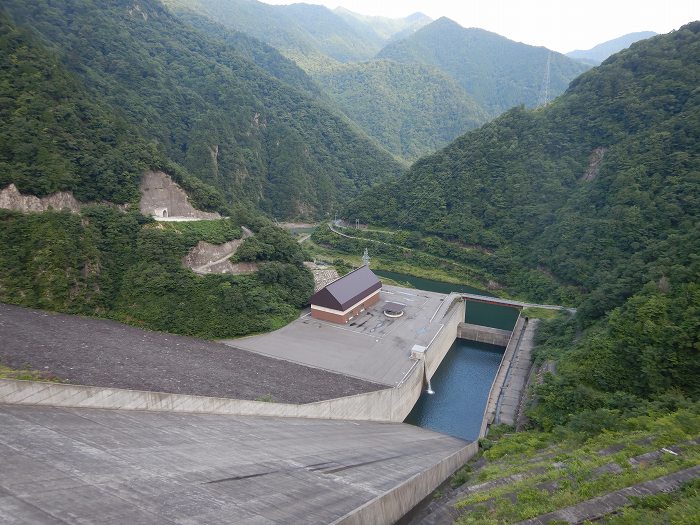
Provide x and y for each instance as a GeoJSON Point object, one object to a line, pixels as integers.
{"type": "Point", "coordinates": [464, 378]}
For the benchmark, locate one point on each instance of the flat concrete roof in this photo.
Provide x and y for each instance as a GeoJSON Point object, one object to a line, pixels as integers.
{"type": "Point", "coordinates": [114, 467]}
{"type": "Point", "coordinates": [372, 346]}
{"type": "Point", "coordinates": [98, 352]}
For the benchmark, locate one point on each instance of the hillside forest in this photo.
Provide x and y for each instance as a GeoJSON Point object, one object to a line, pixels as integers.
{"type": "Point", "coordinates": [597, 192]}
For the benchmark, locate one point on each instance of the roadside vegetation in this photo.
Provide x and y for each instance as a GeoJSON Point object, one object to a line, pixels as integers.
{"type": "Point", "coordinates": [388, 254]}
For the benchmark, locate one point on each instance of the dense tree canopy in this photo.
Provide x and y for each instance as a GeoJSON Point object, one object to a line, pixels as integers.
{"type": "Point", "coordinates": [113, 264]}
{"type": "Point", "coordinates": [411, 109]}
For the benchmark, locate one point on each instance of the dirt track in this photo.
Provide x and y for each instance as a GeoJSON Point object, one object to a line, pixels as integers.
{"type": "Point", "coordinates": [106, 353]}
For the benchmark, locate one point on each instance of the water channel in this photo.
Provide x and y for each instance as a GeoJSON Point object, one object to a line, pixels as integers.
{"type": "Point", "coordinates": [463, 380]}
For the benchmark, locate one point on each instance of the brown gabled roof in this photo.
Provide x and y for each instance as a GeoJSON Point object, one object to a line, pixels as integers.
{"type": "Point", "coordinates": [342, 293]}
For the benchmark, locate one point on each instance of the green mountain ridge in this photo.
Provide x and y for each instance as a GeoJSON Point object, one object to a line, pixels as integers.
{"type": "Point", "coordinates": [312, 35]}
{"type": "Point", "coordinates": [498, 73]}
{"type": "Point", "coordinates": [410, 109]}
{"type": "Point", "coordinates": [387, 28]}
{"type": "Point", "coordinates": [222, 118]}
{"type": "Point", "coordinates": [107, 262]}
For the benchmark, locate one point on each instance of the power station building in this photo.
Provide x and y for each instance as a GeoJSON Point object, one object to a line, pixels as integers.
{"type": "Point", "coordinates": [346, 297]}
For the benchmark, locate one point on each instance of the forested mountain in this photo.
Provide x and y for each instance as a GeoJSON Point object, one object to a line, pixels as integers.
{"type": "Point", "coordinates": [311, 35]}
{"type": "Point", "coordinates": [254, 50]}
{"type": "Point", "coordinates": [601, 190]}
{"type": "Point", "coordinates": [410, 109]}
{"type": "Point", "coordinates": [110, 262]}
{"type": "Point", "coordinates": [206, 107]}
{"type": "Point", "coordinates": [498, 73]}
{"type": "Point", "coordinates": [55, 136]}
{"type": "Point", "coordinates": [597, 54]}
{"type": "Point", "coordinates": [387, 28]}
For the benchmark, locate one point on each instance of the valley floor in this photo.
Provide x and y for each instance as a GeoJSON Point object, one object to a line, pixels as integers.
{"type": "Point", "coordinates": [105, 353]}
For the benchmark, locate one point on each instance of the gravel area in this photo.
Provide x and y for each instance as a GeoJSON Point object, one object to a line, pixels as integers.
{"type": "Point", "coordinates": [99, 352]}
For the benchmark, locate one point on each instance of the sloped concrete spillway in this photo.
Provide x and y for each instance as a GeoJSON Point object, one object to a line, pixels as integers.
{"type": "Point", "coordinates": [86, 465]}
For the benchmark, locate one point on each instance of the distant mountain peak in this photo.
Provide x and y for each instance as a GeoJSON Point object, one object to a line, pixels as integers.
{"type": "Point", "coordinates": [600, 52]}
{"type": "Point", "coordinates": [443, 20]}
{"type": "Point", "coordinates": [417, 16]}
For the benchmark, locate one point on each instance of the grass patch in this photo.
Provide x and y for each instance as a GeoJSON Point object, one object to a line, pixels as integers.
{"type": "Point", "coordinates": [570, 474]}
{"type": "Point", "coordinates": [681, 507]}
{"type": "Point", "coordinates": [439, 270]}
{"type": "Point", "coordinates": [27, 374]}
{"type": "Point", "coordinates": [542, 313]}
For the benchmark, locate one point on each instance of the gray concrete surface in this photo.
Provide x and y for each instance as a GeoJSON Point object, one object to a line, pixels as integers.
{"type": "Point", "coordinates": [111, 466]}
{"type": "Point", "coordinates": [483, 334]}
{"type": "Point", "coordinates": [109, 354]}
{"type": "Point", "coordinates": [498, 382]}
{"type": "Point", "coordinates": [372, 347]}
{"type": "Point", "coordinates": [516, 376]}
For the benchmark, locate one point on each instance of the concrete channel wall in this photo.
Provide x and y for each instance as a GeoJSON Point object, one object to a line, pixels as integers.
{"type": "Point", "coordinates": [394, 504]}
{"type": "Point", "coordinates": [445, 338]}
{"type": "Point", "coordinates": [497, 385]}
{"type": "Point", "coordinates": [483, 334]}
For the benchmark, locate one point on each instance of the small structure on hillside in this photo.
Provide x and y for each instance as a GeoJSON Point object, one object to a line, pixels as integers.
{"type": "Point", "coordinates": [365, 258]}
{"type": "Point", "coordinates": [346, 297]}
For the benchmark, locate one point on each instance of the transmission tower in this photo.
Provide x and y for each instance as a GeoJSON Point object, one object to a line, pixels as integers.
{"type": "Point", "coordinates": [365, 258]}
{"type": "Point", "coordinates": [544, 90]}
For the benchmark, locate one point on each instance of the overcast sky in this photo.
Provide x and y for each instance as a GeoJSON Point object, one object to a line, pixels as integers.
{"type": "Point", "coordinates": [560, 25]}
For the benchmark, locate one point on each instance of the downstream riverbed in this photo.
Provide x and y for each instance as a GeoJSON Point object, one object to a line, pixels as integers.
{"type": "Point", "coordinates": [463, 381]}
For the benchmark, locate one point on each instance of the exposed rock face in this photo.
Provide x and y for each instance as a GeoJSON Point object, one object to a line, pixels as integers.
{"type": "Point", "coordinates": [205, 253]}
{"type": "Point", "coordinates": [162, 197]}
{"type": "Point", "coordinates": [594, 163]}
{"type": "Point", "coordinates": [12, 199]}
{"type": "Point", "coordinates": [208, 258]}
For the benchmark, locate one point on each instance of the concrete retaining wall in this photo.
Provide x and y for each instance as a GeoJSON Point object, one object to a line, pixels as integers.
{"type": "Point", "coordinates": [494, 393]}
{"type": "Point", "coordinates": [483, 334]}
{"type": "Point", "coordinates": [446, 337]}
{"type": "Point", "coordinates": [391, 506]}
